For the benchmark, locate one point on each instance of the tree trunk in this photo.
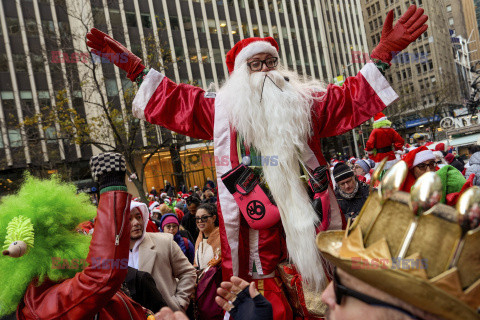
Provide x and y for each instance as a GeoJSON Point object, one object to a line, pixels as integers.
{"type": "Point", "coordinates": [139, 185]}
{"type": "Point", "coordinates": [177, 164]}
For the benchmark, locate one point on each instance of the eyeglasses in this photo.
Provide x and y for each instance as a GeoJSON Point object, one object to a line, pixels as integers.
{"type": "Point", "coordinates": [257, 65]}
{"type": "Point", "coordinates": [203, 219]}
{"type": "Point", "coordinates": [341, 291]}
{"type": "Point", "coordinates": [423, 166]}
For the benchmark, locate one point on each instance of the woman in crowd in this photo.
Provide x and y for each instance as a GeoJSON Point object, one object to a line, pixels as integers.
{"type": "Point", "coordinates": [207, 247]}
{"type": "Point", "coordinates": [208, 261]}
{"type": "Point", "coordinates": [361, 168]}
{"type": "Point", "coordinates": [169, 224]}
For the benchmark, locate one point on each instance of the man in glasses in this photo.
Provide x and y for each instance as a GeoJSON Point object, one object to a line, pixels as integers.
{"type": "Point", "coordinates": [271, 118]}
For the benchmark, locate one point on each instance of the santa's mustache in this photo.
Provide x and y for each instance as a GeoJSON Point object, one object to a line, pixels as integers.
{"type": "Point", "coordinates": [273, 76]}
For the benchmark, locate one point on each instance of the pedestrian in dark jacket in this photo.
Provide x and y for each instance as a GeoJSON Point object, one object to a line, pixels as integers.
{"type": "Point", "coordinates": [450, 158]}
{"type": "Point", "coordinates": [351, 194]}
{"type": "Point", "coordinates": [188, 221]}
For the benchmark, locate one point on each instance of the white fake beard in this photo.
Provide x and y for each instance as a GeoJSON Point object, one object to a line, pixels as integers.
{"type": "Point", "coordinates": [279, 125]}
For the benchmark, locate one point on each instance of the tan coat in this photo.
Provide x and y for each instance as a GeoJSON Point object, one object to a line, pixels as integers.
{"type": "Point", "coordinates": [161, 256]}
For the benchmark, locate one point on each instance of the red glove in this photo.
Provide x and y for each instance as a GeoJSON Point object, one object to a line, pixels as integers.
{"type": "Point", "coordinates": [396, 38]}
{"type": "Point", "coordinates": [105, 46]}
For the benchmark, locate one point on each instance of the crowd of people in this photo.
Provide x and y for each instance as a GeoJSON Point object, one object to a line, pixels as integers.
{"type": "Point", "coordinates": [352, 177]}
{"type": "Point", "coordinates": [275, 226]}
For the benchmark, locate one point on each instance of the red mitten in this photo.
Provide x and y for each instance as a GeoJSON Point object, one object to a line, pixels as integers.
{"type": "Point", "coordinates": [396, 38]}
{"type": "Point", "coordinates": [105, 46]}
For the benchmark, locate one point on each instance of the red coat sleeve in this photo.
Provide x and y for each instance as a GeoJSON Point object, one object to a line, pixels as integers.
{"type": "Point", "coordinates": [370, 145]}
{"type": "Point", "coordinates": [84, 295]}
{"type": "Point", "coordinates": [182, 108]}
{"type": "Point", "coordinates": [340, 109]}
{"type": "Point", "coordinates": [398, 141]}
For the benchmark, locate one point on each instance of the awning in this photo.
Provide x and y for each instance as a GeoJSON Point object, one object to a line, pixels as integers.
{"type": "Point", "coordinates": [465, 141]}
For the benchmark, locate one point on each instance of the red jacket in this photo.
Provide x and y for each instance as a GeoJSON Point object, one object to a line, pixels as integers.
{"type": "Point", "coordinates": [95, 290]}
{"type": "Point", "coordinates": [191, 111]}
{"type": "Point", "coordinates": [382, 138]}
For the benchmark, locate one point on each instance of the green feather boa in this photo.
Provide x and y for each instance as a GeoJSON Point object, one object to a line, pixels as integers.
{"type": "Point", "coordinates": [54, 209]}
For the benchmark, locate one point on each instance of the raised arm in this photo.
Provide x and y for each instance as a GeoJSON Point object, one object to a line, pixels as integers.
{"type": "Point", "coordinates": [182, 108]}
{"type": "Point", "coordinates": [340, 109]}
{"type": "Point", "coordinates": [84, 295]}
{"type": "Point", "coordinates": [344, 108]}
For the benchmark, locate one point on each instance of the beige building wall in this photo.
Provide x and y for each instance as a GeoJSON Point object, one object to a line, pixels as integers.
{"type": "Point", "coordinates": [472, 32]}
{"type": "Point", "coordinates": [425, 68]}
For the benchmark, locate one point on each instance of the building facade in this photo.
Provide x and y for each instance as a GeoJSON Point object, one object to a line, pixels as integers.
{"type": "Point", "coordinates": [45, 66]}
{"type": "Point", "coordinates": [424, 75]}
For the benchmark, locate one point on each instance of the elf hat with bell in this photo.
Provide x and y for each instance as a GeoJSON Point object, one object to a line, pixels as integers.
{"type": "Point", "coordinates": [246, 48]}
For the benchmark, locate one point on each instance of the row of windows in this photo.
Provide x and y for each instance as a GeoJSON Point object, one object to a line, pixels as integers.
{"type": "Point", "coordinates": [31, 27]}
{"type": "Point", "coordinates": [41, 94]}
{"type": "Point", "coordinates": [390, 2]}
{"type": "Point", "coordinates": [424, 67]}
{"type": "Point", "coordinates": [373, 9]}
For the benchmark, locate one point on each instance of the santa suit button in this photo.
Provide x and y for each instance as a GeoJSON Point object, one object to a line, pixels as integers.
{"type": "Point", "coordinates": [246, 160]}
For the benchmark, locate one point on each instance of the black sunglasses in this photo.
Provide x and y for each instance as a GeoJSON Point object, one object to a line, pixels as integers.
{"type": "Point", "coordinates": [204, 218]}
{"type": "Point", "coordinates": [341, 291]}
{"type": "Point", "coordinates": [423, 166]}
{"type": "Point", "coordinates": [257, 65]}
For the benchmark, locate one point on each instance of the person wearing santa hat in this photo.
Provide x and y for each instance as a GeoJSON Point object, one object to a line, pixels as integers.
{"type": "Point", "coordinates": [264, 109]}
{"type": "Point", "coordinates": [422, 160]}
{"type": "Point", "coordinates": [384, 142]}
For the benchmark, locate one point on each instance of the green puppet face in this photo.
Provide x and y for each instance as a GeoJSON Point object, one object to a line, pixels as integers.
{"type": "Point", "coordinates": [37, 230]}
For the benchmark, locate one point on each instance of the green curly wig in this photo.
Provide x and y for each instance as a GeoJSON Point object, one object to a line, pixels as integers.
{"type": "Point", "coordinates": [381, 124]}
{"type": "Point", "coordinates": [45, 213]}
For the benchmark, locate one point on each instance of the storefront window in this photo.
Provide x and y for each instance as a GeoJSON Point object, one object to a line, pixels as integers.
{"type": "Point", "coordinates": [198, 164]}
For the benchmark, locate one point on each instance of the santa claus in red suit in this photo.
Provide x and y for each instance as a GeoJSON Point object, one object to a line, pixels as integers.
{"type": "Point", "coordinates": [265, 110]}
{"type": "Point", "coordinates": [384, 142]}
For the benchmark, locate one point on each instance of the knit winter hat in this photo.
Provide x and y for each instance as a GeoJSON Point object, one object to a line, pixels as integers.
{"type": "Point", "coordinates": [169, 218]}
{"type": "Point", "coordinates": [246, 48]}
{"type": "Point", "coordinates": [341, 172]}
{"type": "Point", "coordinates": [449, 158]}
{"type": "Point", "coordinates": [364, 165]}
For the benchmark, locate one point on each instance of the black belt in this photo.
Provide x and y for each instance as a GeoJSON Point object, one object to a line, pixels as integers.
{"type": "Point", "coordinates": [384, 150]}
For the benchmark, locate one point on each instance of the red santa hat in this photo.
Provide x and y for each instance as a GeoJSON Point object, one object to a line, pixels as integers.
{"type": "Point", "coordinates": [246, 48]}
{"type": "Point", "coordinates": [417, 156]}
{"type": "Point", "coordinates": [414, 158]}
{"type": "Point", "coordinates": [379, 117]}
{"type": "Point", "coordinates": [440, 147]}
